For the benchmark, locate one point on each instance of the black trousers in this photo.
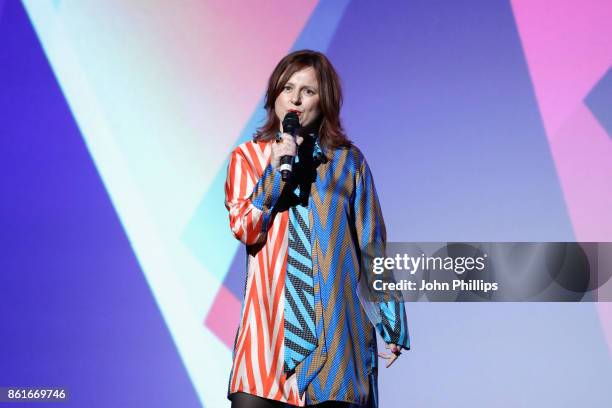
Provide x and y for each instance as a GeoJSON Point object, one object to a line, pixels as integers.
{"type": "Point", "coordinates": [243, 400]}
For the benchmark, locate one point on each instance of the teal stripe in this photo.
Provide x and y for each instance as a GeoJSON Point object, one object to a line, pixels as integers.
{"type": "Point", "coordinates": [296, 299]}
{"type": "Point", "coordinates": [304, 213]}
{"type": "Point", "coordinates": [291, 318]}
{"type": "Point", "coordinates": [298, 257]}
{"type": "Point", "coordinates": [299, 341]}
{"type": "Point", "coordinates": [290, 355]}
{"type": "Point", "coordinates": [299, 274]}
{"type": "Point", "coordinates": [309, 298]}
{"type": "Point", "coordinates": [309, 321]}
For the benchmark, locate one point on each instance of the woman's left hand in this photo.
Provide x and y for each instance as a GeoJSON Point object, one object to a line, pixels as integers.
{"type": "Point", "coordinates": [395, 353]}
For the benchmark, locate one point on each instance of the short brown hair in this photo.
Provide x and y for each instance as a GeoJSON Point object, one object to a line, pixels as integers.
{"type": "Point", "coordinates": [331, 134]}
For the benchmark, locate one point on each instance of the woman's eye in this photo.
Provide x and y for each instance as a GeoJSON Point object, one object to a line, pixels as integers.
{"type": "Point", "coordinates": [287, 88]}
{"type": "Point", "coordinates": [309, 92]}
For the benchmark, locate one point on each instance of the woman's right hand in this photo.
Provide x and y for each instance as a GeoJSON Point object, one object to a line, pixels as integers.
{"type": "Point", "coordinates": [285, 146]}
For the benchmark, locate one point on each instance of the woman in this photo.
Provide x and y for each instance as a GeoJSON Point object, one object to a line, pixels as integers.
{"type": "Point", "coordinates": [303, 337]}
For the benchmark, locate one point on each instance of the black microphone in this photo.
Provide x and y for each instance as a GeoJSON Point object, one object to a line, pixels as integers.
{"type": "Point", "coordinates": [291, 124]}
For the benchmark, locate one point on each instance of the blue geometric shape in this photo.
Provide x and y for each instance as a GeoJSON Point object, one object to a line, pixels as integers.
{"type": "Point", "coordinates": [235, 278]}
{"type": "Point", "coordinates": [321, 26]}
{"type": "Point", "coordinates": [599, 101]}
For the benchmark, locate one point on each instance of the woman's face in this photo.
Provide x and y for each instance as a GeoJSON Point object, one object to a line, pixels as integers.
{"type": "Point", "coordinates": [301, 95]}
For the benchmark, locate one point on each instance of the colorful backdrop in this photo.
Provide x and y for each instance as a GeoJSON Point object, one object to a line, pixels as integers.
{"type": "Point", "coordinates": [119, 278]}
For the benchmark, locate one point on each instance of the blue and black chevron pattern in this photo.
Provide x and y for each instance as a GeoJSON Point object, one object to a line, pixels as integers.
{"type": "Point", "coordinates": [300, 337]}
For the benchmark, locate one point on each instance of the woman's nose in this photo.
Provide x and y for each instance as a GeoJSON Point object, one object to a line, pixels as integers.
{"type": "Point", "coordinates": [295, 98]}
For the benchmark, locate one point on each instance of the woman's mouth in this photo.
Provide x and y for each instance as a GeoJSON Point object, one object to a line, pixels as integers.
{"type": "Point", "coordinates": [295, 111]}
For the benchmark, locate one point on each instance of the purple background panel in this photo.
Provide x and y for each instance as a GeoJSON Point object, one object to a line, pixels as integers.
{"type": "Point", "coordinates": [448, 121]}
{"type": "Point", "coordinates": [76, 309]}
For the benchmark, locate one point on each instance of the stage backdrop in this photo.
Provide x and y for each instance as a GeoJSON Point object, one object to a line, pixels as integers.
{"type": "Point", "coordinates": [481, 120]}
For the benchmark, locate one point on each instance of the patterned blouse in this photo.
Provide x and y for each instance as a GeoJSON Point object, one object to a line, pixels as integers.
{"type": "Point", "coordinates": [344, 217]}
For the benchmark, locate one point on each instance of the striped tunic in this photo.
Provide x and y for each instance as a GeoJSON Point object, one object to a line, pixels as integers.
{"type": "Point", "coordinates": [345, 217]}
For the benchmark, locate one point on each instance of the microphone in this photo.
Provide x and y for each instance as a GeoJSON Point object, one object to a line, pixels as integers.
{"type": "Point", "coordinates": [291, 124]}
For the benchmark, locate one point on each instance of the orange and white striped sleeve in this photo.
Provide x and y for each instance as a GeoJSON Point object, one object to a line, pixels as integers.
{"type": "Point", "coordinates": [249, 200]}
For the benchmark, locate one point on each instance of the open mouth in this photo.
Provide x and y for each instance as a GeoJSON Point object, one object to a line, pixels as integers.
{"type": "Point", "coordinates": [295, 111]}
